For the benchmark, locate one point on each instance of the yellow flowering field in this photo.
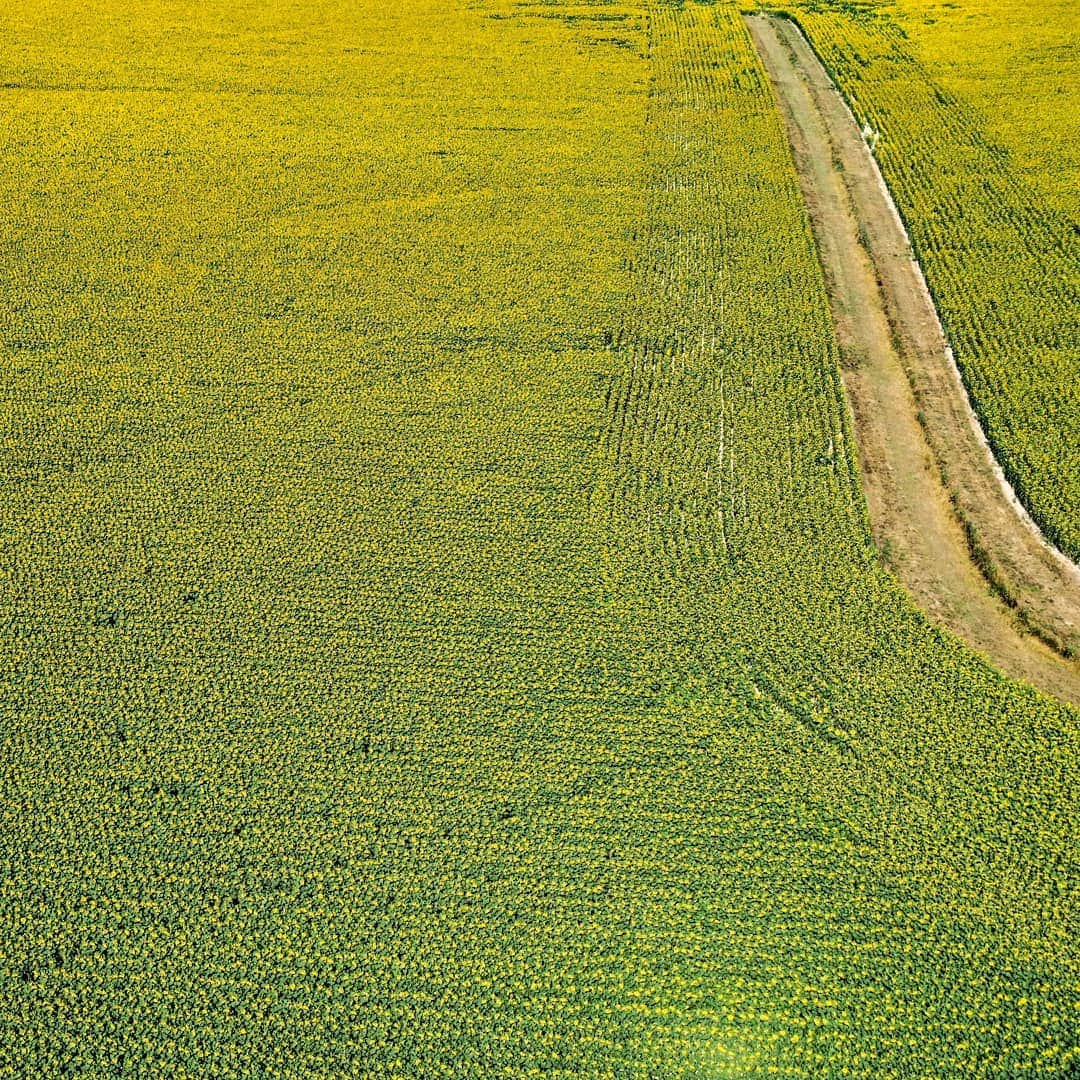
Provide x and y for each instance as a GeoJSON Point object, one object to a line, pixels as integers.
{"type": "Point", "coordinates": [441, 633]}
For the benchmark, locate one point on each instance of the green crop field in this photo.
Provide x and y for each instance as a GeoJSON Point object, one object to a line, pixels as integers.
{"type": "Point", "coordinates": [441, 633]}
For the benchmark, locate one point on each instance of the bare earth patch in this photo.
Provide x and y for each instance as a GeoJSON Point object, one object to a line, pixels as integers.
{"type": "Point", "coordinates": [947, 522]}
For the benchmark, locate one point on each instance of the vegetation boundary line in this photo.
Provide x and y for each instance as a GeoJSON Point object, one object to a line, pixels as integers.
{"type": "Point", "coordinates": [1008, 490]}
{"type": "Point", "coordinates": [942, 512]}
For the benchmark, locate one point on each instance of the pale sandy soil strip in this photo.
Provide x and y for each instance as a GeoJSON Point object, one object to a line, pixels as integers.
{"type": "Point", "coordinates": [935, 493]}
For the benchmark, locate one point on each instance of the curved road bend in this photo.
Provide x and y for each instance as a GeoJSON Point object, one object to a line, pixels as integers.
{"type": "Point", "coordinates": [897, 364]}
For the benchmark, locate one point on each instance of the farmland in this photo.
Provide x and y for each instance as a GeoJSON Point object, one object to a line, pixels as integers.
{"type": "Point", "coordinates": [942, 514]}
{"type": "Point", "coordinates": [443, 634]}
{"type": "Point", "coordinates": [979, 145]}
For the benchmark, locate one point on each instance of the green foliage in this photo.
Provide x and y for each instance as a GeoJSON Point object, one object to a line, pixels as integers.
{"type": "Point", "coordinates": [442, 637]}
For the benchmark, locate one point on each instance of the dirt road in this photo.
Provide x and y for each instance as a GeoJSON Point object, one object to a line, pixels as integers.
{"type": "Point", "coordinates": [942, 513]}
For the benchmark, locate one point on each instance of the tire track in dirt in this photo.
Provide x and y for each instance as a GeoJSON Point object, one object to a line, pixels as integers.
{"type": "Point", "coordinates": [944, 517]}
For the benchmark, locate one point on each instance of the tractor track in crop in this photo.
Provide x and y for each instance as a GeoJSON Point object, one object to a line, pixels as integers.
{"type": "Point", "coordinates": [943, 515]}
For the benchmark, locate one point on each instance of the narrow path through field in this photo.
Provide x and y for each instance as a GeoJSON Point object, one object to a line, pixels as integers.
{"type": "Point", "coordinates": [945, 519]}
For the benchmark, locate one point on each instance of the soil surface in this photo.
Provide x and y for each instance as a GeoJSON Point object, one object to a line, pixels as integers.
{"type": "Point", "coordinates": [945, 519]}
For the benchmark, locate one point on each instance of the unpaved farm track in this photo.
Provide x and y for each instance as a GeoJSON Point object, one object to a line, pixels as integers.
{"type": "Point", "coordinates": [942, 513]}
